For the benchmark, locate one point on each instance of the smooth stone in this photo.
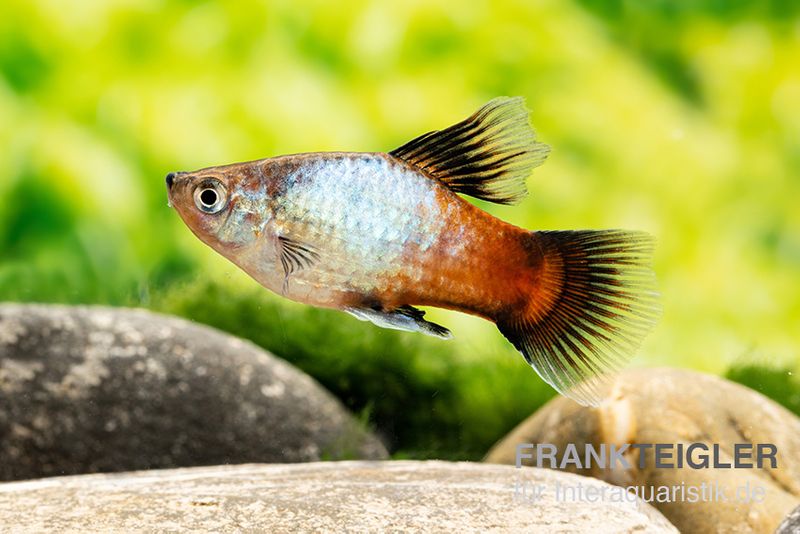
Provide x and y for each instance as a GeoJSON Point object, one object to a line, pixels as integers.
{"type": "Point", "coordinates": [398, 496]}
{"type": "Point", "coordinates": [90, 389]}
{"type": "Point", "coordinates": [791, 524]}
{"type": "Point", "coordinates": [679, 406]}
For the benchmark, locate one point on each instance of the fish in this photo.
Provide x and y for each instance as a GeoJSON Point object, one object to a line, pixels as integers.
{"type": "Point", "coordinates": [377, 234]}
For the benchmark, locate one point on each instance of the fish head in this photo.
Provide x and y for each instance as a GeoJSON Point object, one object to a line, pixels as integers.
{"type": "Point", "coordinates": [223, 206]}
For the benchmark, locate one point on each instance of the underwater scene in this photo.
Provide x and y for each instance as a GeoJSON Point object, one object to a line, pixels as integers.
{"type": "Point", "coordinates": [561, 189]}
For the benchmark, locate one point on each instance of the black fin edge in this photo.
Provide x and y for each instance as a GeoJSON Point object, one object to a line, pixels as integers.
{"type": "Point", "coordinates": [488, 156]}
{"type": "Point", "coordinates": [418, 316]}
{"type": "Point", "coordinates": [605, 302]}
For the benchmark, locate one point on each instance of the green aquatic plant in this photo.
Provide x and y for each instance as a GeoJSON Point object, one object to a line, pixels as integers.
{"type": "Point", "coordinates": [780, 384]}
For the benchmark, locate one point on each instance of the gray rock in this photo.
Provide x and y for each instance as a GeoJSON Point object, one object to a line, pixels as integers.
{"type": "Point", "coordinates": [100, 389]}
{"type": "Point", "coordinates": [677, 406]}
{"type": "Point", "coordinates": [320, 497]}
{"type": "Point", "coordinates": [791, 524]}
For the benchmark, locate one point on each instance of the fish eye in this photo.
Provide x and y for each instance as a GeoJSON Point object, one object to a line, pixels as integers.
{"type": "Point", "coordinates": [210, 196]}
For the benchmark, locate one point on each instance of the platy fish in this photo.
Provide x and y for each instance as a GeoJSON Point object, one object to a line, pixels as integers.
{"type": "Point", "coordinates": [377, 234]}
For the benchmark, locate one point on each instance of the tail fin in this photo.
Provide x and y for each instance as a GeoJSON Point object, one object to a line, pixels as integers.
{"type": "Point", "coordinates": [594, 302]}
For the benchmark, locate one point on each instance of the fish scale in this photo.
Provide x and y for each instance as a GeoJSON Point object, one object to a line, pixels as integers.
{"type": "Point", "coordinates": [368, 222]}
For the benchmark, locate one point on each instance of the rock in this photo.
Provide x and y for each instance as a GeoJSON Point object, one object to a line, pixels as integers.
{"type": "Point", "coordinates": [396, 496]}
{"type": "Point", "coordinates": [791, 524]}
{"type": "Point", "coordinates": [100, 389]}
{"type": "Point", "coordinates": [674, 406]}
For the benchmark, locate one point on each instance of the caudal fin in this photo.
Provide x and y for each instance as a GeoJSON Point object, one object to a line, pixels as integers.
{"type": "Point", "coordinates": [593, 302]}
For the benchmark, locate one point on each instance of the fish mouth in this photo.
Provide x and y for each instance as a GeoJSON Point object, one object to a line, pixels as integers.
{"type": "Point", "coordinates": [171, 177]}
{"type": "Point", "coordinates": [171, 180]}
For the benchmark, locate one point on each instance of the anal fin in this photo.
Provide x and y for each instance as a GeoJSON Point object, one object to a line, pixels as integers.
{"type": "Point", "coordinates": [405, 318]}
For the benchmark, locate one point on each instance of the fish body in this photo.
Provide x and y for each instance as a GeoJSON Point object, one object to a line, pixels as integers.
{"type": "Point", "coordinates": [375, 234]}
{"type": "Point", "coordinates": [391, 236]}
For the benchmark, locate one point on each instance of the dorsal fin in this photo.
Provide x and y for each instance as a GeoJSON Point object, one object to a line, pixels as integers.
{"type": "Point", "coordinates": [488, 155]}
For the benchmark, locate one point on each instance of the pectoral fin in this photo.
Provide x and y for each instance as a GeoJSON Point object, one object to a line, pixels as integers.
{"type": "Point", "coordinates": [295, 256]}
{"type": "Point", "coordinates": [405, 318]}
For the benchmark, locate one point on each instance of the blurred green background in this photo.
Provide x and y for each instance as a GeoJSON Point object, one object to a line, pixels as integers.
{"type": "Point", "coordinates": [679, 118]}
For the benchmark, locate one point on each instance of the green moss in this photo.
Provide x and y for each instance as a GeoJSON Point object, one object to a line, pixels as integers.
{"type": "Point", "coordinates": [780, 384]}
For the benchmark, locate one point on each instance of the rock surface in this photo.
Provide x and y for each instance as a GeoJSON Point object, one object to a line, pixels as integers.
{"type": "Point", "coordinates": [790, 525]}
{"type": "Point", "coordinates": [100, 389]}
{"type": "Point", "coordinates": [318, 497]}
{"type": "Point", "coordinates": [676, 406]}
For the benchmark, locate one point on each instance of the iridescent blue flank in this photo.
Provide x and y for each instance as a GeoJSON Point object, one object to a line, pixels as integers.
{"type": "Point", "coordinates": [361, 213]}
